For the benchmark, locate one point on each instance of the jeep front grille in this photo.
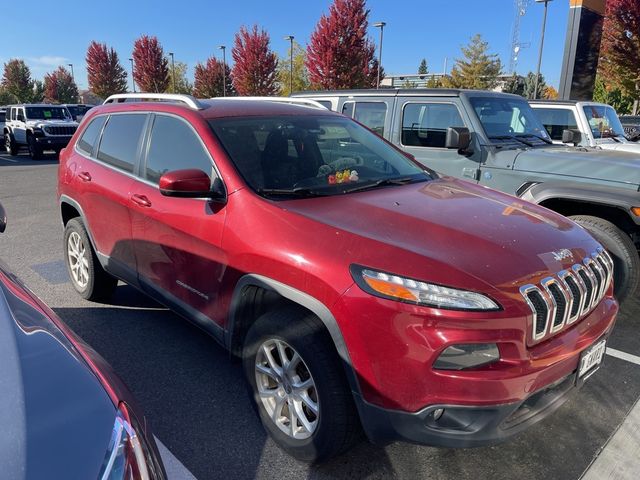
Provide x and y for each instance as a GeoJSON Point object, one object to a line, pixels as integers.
{"type": "Point", "coordinates": [569, 295]}
{"type": "Point", "coordinates": [59, 130]}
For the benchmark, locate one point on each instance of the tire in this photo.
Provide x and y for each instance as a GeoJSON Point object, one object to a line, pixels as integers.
{"type": "Point", "coordinates": [87, 275]}
{"type": "Point", "coordinates": [331, 429]}
{"type": "Point", "coordinates": [626, 268]}
{"type": "Point", "coordinates": [10, 144]}
{"type": "Point", "coordinates": [35, 152]}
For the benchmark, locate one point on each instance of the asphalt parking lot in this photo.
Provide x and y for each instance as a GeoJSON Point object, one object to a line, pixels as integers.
{"type": "Point", "coordinates": [196, 400]}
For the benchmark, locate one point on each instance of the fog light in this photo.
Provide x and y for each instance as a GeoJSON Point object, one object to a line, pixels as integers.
{"type": "Point", "coordinates": [459, 357]}
{"type": "Point", "coordinates": [437, 413]}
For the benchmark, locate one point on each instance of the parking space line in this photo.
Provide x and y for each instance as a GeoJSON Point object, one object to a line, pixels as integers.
{"type": "Point", "coordinates": [623, 356]}
{"type": "Point", "coordinates": [174, 467]}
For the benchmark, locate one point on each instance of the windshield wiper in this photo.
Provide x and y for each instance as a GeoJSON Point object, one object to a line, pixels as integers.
{"type": "Point", "coordinates": [380, 183]}
{"type": "Point", "coordinates": [290, 192]}
{"type": "Point", "coordinates": [511, 137]}
{"type": "Point", "coordinates": [545, 140]}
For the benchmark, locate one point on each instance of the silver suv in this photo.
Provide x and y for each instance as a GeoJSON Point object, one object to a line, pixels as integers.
{"type": "Point", "coordinates": [38, 127]}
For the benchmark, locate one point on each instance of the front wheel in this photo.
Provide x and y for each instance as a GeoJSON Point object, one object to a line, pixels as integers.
{"type": "Point", "coordinates": [35, 151]}
{"type": "Point", "coordinates": [10, 144]}
{"type": "Point", "coordinates": [87, 275]}
{"type": "Point", "coordinates": [298, 385]}
{"type": "Point", "coordinates": [626, 262]}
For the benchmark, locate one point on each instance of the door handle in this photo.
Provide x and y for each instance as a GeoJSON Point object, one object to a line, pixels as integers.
{"type": "Point", "coordinates": [141, 200]}
{"type": "Point", "coordinates": [85, 176]}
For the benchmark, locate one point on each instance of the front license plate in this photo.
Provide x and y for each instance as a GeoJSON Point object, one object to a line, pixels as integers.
{"type": "Point", "coordinates": [591, 358]}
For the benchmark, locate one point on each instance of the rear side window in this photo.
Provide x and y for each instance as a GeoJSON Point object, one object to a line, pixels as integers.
{"type": "Point", "coordinates": [556, 120]}
{"type": "Point", "coordinates": [90, 135]}
{"type": "Point", "coordinates": [425, 124]}
{"type": "Point", "coordinates": [325, 103]}
{"type": "Point", "coordinates": [372, 115]}
{"type": "Point", "coordinates": [174, 146]}
{"type": "Point", "coordinates": [121, 140]}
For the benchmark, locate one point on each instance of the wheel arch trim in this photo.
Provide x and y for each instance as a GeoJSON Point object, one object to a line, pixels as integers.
{"type": "Point", "coordinates": [304, 300]}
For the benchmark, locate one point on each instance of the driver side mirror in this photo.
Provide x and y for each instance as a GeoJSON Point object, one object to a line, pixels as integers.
{"type": "Point", "coordinates": [3, 219]}
{"type": "Point", "coordinates": [571, 136]}
{"type": "Point", "coordinates": [458, 138]}
{"type": "Point", "coordinates": [192, 183]}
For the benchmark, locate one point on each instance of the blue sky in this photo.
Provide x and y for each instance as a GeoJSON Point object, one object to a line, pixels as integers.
{"type": "Point", "coordinates": [416, 29]}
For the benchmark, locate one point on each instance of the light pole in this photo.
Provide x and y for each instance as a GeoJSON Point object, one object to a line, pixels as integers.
{"type": "Point", "coordinates": [173, 72]}
{"type": "Point", "coordinates": [73, 77]}
{"type": "Point", "coordinates": [224, 70]}
{"type": "Point", "coordinates": [544, 25]}
{"type": "Point", "coordinates": [290, 38]}
{"type": "Point", "coordinates": [133, 80]}
{"type": "Point", "coordinates": [381, 26]}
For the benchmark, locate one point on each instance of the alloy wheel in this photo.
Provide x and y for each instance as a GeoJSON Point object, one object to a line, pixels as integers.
{"type": "Point", "coordinates": [78, 263]}
{"type": "Point", "coordinates": [287, 389]}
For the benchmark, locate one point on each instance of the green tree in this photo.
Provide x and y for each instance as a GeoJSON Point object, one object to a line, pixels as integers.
{"type": "Point", "coordinates": [300, 75]}
{"type": "Point", "coordinates": [182, 83]}
{"type": "Point", "coordinates": [530, 85]}
{"type": "Point", "coordinates": [434, 82]}
{"type": "Point", "coordinates": [515, 85]}
{"type": "Point", "coordinates": [613, 96]}
{"type": "Point", "coordinates": [37, 93]}
{"type": "Point", "coordinates": [6, 97]}
{"type": "Point", "coordinates": [17, 81]}
{"type": "Point", "coordinates": [422, 69]}
{"type": "Point", "coordinates": [477, 69]}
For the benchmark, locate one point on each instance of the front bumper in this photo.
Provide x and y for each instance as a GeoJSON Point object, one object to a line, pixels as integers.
{"type": "Point", "coordinates": [60, 141]}
{"type": "Point", "coordinates": [462, 426]}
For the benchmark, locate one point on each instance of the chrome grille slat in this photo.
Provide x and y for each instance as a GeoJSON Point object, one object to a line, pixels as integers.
{"type": "Point", "coordinates": [566, 297]}
{"type": "Point", "coordinates": [60, 130]}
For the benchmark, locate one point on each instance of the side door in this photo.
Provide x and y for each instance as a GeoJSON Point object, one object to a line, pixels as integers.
{"type": "Point", "coordinates": [178, 240]}
{"type": "Point", "coordinates": [20, 126]}
{"type": "Point", "coordinates": [108, 153]}
{"type": "Point", "coordinates": [422, 132]}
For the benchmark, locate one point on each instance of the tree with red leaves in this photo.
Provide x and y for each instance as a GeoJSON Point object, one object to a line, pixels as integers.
{"type": "Point", "coordinates": [339, 54]}
{"type": "Point", "coordinates": [59, 87]}
{"type": "Point", "coordinates": [620, 50]}
{"type": "Point", "coordinates": [255, 65]}
{"type": "Point", "coordinates": [105, 74]}
{"type": "Point", "coordinates": [209, 79]}
{"type": "Point", "coordinates": [151, 68]}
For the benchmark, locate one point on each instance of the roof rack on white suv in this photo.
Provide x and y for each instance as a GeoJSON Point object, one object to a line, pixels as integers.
{"type": "Point", "coordinates": [188, 100]}
{"type": "Point", "coordinates": [295, 101]}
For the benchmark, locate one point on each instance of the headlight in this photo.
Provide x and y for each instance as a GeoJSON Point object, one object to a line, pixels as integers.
{"type": "Point", "coordinates": [407, 290]}
{"type": "Point", "coordinates": [125, 459]}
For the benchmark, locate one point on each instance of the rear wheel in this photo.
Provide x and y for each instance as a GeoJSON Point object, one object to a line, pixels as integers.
{"type": "Point", "coordinates": [298, 385]}
{"type": "Point", "coordinates": [35, 151]}
{"type": "Point", "coordinates": [626, 262]}
{"type": "Point", "coordinates": [10, 144]}
{"type": "Point", "coordinates": [87, 275]}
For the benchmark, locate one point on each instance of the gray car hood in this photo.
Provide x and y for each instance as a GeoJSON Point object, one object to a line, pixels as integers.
{"type": "Point", "coordinates": [619, 168]}
{"type": "Point", "coordinates": [56, 416]}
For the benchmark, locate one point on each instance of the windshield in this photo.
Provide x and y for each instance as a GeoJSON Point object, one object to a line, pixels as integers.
{"type": "Point", "coordinates": [47, 113]}
{"type": "Point", "coordinates": [603, 121]}
{"type": "Point", "coordinates": [507, 117]}
{"type": "Point", "coordinates": [312, 155]}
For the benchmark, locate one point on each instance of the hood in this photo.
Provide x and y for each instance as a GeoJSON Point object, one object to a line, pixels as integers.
{"type": "Point", "coordinates": [57, 417]}
{"type": "Point", "coordinates": [620, 168]}
{"type": "Point", "coordinates": [42, 123]}
{"type": "Point", "coordinates": [450, 232]}
{"type": "Point", "coordinates": [623, 146]}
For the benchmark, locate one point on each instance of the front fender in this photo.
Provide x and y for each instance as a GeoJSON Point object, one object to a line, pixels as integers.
{"type": "Point", "coordinates": [586, 193]}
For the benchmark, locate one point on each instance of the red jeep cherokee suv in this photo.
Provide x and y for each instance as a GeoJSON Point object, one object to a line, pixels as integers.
{"type": "Point", "coordinates": [359, 289]}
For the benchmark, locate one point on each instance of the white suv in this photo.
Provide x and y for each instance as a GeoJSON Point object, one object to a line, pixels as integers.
{"type": "Point", "coordinates": [38, 127]}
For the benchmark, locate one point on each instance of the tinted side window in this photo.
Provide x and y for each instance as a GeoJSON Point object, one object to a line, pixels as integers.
{"type": "Point", "coordinates": [347, 109]}
{"type": "Point", "coordinates": [372, 115]}
{"type": "Point", "coordinates": [556, 120]}
{"type": "Point", "coordinates": [120, 141]}
{"type": "Point", "coordinates": [174, 146]}
{"type": "Point", "coordinates": [425, 125]}
{"type": "Point", "coordinates": [90, 135]}
{"type": "Point", "coordinates": [325, 103]}
{"type": "Point", "coordinates": [2, 116]}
